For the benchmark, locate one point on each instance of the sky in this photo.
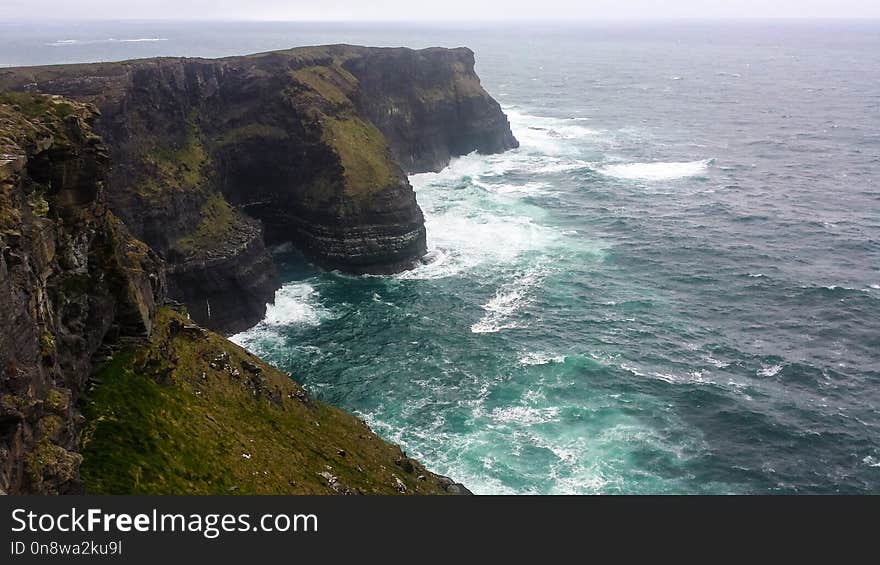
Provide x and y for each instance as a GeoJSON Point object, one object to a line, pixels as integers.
{"type": "Point", "coordinates": [434, 10]}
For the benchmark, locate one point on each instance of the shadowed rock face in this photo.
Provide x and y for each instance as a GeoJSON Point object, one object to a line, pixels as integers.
{"type": "Point", "coordinates": [72, 280]}
{"type": "Point", "coordinates": [430, 105]}
{"type": "Point", "coordinates": [315, 143]}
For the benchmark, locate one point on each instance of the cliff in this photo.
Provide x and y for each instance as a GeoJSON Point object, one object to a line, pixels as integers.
{"type": "Point", "coordinates": [215, 159]}
{"type": "Point", "coordinates": [72, 281]}
{"type": "Point", "coordinates": [103, 390]}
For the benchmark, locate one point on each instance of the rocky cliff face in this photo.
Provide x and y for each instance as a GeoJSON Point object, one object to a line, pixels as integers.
{"type": "Point", "coordinates": [430, 105]}
{"type": "Point", "coordinates": [72, 281]}
{"type": "Point", "coordinates": [102, 390]}
{"type": "Point", "coordinates": [314, 143]}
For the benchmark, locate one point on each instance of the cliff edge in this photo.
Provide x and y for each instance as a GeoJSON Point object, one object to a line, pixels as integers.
{"type": "Point", "coordinates": [214, 160]}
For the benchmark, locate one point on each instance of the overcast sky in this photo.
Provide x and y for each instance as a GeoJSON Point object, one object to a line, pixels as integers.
{"type": "Point", "coordinates": [434, 10]}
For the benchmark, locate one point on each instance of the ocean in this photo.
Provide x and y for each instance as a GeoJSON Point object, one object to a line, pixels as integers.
{"type": "Point", "coordinates": [672, 286]}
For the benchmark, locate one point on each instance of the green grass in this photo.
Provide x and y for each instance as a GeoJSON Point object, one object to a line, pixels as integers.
{"type": "Point", "coordinates": [362, 150]}
{"type": "Point", "coordinates": [37, 105]}
{"type": "Point", "coordinates": [176, 167]}
{"type": "Point", "coordinates": [249, 131]}
{"type": "Point", "coordinates": [332, 83]}
{"type": "Point", "coordinates": [169, 418]}
{"type": "Point", "coordinates": [217, 220]}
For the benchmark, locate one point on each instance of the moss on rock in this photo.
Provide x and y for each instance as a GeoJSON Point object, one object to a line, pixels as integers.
{"type": "Point", "coordinates": [218, 219]}
{"type": "Point", "coordinates": [362, 151]}
{"type": "Point", "coordinates": [192, 413]}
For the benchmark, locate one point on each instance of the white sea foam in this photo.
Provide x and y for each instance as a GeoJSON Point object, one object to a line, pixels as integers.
{"type": "Point", "coordinates": [461, 242]}
{"type": "Point", "coordinates": [656, 171]}
{"type": "Point", "coordinates": [535, 188]}
{"type": "Point", "coordinates": [547, 135]}
{"type": "Point", "coordinates": [534, 358]}
{"type": "Point", "coordinates": [509, 299]}
{"type": "Point", "coordinates": [295, 304]}
{"type": "Point", "coordinates": [525, 415]}
{"type": "Point", "coordinates": [717, 362]}
{"type": "Point", "coordinates": [472, 222]}
{"type": "Point", "coordinates": [769, 370]}
{"type": "Point", "coordinates": [632, 369]}
{"type": "Point", "coordinates": [72, 42]}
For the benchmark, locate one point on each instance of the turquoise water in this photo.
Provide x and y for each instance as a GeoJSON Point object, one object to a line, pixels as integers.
{"type": "Point", "coordinates": [673, 286]}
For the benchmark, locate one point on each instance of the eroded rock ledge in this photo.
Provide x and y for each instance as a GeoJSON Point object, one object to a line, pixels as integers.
{"type": "Point", "coordinates": [314, 143]}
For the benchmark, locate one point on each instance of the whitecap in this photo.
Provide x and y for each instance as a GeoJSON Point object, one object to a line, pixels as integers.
{"type": "Point", "coordinates": [547, 135]}
{"type": "Point", "coordinates": [535, 358]}
{"type": "Point", "coordinates": [508, 299]}
{"type": "Point", "coordinates": [296, 303]}
{"type": "Point", "coordinates": [717, 362]}
{"type": "Point", "coordinates": [525, 415]}
{"type": "Point", "coordinates": [633, 370]}
{"type": "Point", "coordinates": [534, 188]}
{"type": "Point", "coordinates": [72, 42]}
{"type": "Point", "coordinates": [656, 171]}
{"type": "Point", "coordinates": [459, 242]}
{"type": "Point", "coordinates": [769, 370]}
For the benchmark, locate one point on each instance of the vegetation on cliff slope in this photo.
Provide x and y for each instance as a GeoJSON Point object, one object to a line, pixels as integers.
{"type": "Point", "coordinates": [176, 165]}
{"type": "Point", "coordinates": [324, 93]}
{"type": "Point", "coordinates": [193, 413]}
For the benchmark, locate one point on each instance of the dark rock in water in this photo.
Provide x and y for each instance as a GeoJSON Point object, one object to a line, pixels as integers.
{"type": "Point", "coordinates": [315, 143]}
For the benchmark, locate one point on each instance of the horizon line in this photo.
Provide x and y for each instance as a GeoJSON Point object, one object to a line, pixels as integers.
{"type": "Point", "coordinates": [524, 20]}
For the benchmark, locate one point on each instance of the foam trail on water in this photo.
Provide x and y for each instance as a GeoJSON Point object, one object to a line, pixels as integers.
{"type": "Point", "coordinates": [657, 171]}
{"type": "Point", "coordinates": [534, 358]}
{"type": "Point", "coordinates": [73, 42]}
{"type": "Point", "coordinates": [509, 299]}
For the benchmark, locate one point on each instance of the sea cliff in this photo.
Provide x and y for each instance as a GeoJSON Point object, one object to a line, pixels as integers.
{"type": "Point", "coordinates": [214, 160]}
{"type": "Point", "coordinates": [137, 202]}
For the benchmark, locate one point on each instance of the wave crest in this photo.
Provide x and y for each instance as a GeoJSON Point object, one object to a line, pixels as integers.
{"type": "Point", "coordinates": [657, 171]}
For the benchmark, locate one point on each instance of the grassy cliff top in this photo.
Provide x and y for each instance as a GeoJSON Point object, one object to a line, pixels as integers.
{"type": "Point", "coordinates": [193, 413]}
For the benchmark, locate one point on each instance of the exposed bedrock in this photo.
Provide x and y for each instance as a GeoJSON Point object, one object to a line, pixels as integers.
{"type": "Point", "coordinates": [314, 143]}
{"type": "Point", "coordinates": [72, 281]}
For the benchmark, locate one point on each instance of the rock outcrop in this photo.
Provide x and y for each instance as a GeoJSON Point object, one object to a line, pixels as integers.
{"type": "Point", "coordinates": [314, 143]}
{"type": "Point", "coordinates": [430, 105]}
